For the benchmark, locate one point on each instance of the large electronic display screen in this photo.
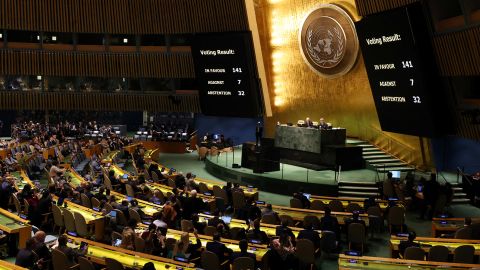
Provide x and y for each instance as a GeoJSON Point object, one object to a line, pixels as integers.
{"type": "Point", "coordinates": [402, 72]}
{"type": "Point", "coordinates": [226, 73]}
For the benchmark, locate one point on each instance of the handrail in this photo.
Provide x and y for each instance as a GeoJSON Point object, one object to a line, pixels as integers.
{"type": "Point", "coordinates": [375, 135]}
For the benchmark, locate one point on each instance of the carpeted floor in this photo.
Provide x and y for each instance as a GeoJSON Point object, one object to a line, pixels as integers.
{"type": "Point", "coordinates": [377, 246]}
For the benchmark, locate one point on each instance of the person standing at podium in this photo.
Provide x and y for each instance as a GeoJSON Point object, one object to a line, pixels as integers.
{"type": "Point", "coordinates": [258, 133]}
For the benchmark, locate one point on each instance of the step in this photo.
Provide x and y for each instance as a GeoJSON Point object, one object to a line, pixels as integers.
{"type": "Point", "coordinates": [358, 188]}
{"type": "Point", "coordinates": [386, 160]}
{"type": "Point", "coordinates": [460, 201]}
{"type": "Point", "coordinates": [347, 183]}
{"type": "Point", "coordinates": [390, 164]}
{"type": "Point", "coordinates": [459, 194]}
{"type": "Point", "coordinates": [372, 153]}
{"type": "Point", "coordinates": [366, 145]}
{"type": "Point", "coordinates": [374, 157]}
{"type": "Point", "coordinates": [358, 194]}
{"type": "Point", "coordinates": [402, 169]}
{"type": "Point", "coordinates": [457, 188]}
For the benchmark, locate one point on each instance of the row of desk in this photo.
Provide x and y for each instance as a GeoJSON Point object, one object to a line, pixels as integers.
{"type": "Point", "coordinates": [427, 242]}
{"type": "Point", "coordinates": [377, 263]}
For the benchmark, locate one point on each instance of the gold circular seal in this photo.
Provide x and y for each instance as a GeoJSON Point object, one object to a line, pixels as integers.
{"type": "Point", "coordinates": [328, 41]}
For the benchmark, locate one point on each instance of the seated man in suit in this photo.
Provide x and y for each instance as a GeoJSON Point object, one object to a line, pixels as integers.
{"type": "Point", "coordinates": [355, 219]}
{"type": "Point", "coordinates": [322, 124]}
{"type": "Point", "coordinates": [406, 244]}
{"type": "Point", "coordinates": [309, 233]}
{"type": "Point", "coordinates": [218, 248]}
{"type": "Point", "coordinates": [330, 223]}
{"type": "Point", "coordinates": [243, 245]}
{"type": "Point", "coordinates": [284, 229]}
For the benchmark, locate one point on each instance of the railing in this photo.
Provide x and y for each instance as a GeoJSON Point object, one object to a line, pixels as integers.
{"type": "Point", "coordinates": [391, 145]}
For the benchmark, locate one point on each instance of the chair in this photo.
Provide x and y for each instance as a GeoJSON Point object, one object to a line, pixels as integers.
{"type": "Point", "coordinates": [296, 203]}
{"type": "Point", "coordinates": [85, 264]}
{"type": "Point", "coordinates": [113, 264]}
{"type": "Point", "coordinates": [352, 207]}
{"type": "Point", "coordinates": [335, 206]}
{"type": "Point", "coordinates": [120, 218]}
{"type": "Point", "coordinates": [475, 231]}
{"type": "Point", "coordinates": [116, 235]}
{"type": "Point", "coordinates": [438, 254]}
{"type": "Point", "coordinates": [464, 254]}
{"type": "Point", "coordinates": [155, 177]}
{"type": "Point", "coordinates": [312, 220]}
{"type": "Point", "coordinates": [214, 151]}
{"type": "Point", "coordinates": [270, 219]}
{"type": "Point", "coordinates": [220, 192]}
{"type": "Point", "coordinates": [388, 191]}
{"type": "Point", "coordinates": [18, 206]}
{"type": "Point", "coordinates": [95, 202]}
{"type": "Point", "coordinates": [356, 235]}
{"type": "Point", "coordinates": [396, 217]}
{"type": "Point", "coordinates": [238, 200]}
{"type": "Point", "coordinates": [290, 220]}
{"type": "Point", "coordinates": [69, 221]}
{"type": "Point", "coordinates": [305, 252]}
{"type": "Point", "coordinates": [139, 244]}
{"type": "Point", "coordinates": [317, 205]}
{"type": "Point", "coordinates": [328, 242]}
{"type": "Point", "coordinates": [171, 183]}
{"type": "Point", "coordinates": [108, 207]}
{"type": "Point", "coordinates": [60, 261]}
{"type": "Point", "coordinates": [134, 214]}
{"type": "Point", "coordinates": [202, 153]}
{"type": "Point", "coordinates": [170, 243]}
{"type": "Point", "coordinates": [210, 261]}
{"type": "Point", "coordinates": [220, 204]}
{"type": "Point", "coordinates": [186, 225]}
{"type": "Point", "coordinates": [464, 233]}
{"type": "Point", "coordinates": [236, 233]}
{"type": "Point", "coordinates": [202, 187]}
{"type": "Point", "coordinates": [85, 200]}
{"type": "Point", "coordinates": [375, 219]}
{"type": "Point", "coordinates": [210, 230]}
{"type": "Point", "coordinates": [129, 190]}
{"type": "Point", "coordinates": [81, 225]}
{"type": "Point", "coordinates": [243, 263]}
{"type": "Point", "coordinates": [414, 253]}
{"type": "Point", "coordinates": [57, 218]}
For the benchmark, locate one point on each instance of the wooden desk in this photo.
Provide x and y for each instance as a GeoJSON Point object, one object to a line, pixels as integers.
{"type": "Point", "coordinates": [346, 201]}
{"type": "Point", "coordinates": [147, 207]}
{"type": "Point", "coordinates": [13, 224]}
{"type": "Point", "coordinates": [269, 229]}
{"type": "Point", "coordinates": [91, 217]}
{"type": "Point", "coordinates": [258, 250]}
{"type": "Point", "coordinates": [4, 265]}
{"type": "Point", "coordinates": [427, 242]}
{"type": "Point", "coordinates": [298, 214]}
{"type": "Point", "coordinates": [448, 225]}
{"type": "Point", "coordinates": [97, 252]}
{"type": "Point", "coordinates": [376, 263]}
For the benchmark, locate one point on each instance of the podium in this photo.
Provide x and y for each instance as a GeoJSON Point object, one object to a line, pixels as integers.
{"type": "Point", "coordinates": [262, 159]}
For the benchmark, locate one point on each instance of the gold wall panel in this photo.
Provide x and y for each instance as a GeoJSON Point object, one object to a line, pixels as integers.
{"type": "Point", "coordinates": [297, 92]}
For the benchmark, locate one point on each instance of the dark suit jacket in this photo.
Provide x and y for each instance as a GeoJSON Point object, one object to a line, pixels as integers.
{"type": "Point", "coordinates": [218, 248]}
{"type": "Point", "coordinates": [236, 255]}
{"type": "Point", "coordinates": [310, 235]}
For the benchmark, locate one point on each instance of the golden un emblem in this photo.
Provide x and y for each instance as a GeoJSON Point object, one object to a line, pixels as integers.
{"type": "Point", "coordinates": [328, 41]}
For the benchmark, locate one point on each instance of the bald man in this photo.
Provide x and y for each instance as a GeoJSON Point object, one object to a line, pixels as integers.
{"type": "Point", "coordinates": [40, 248]}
